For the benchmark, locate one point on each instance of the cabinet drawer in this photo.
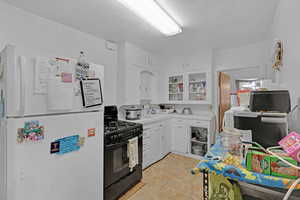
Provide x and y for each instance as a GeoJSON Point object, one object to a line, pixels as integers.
{"type": "Point", "coordinates": [146, 145]}
{"type": "Point", "coordinates": [199, 123]}
{"type": "Point", "coordinates": [146, 139]}
{"type": "Point", "coordinates": [146, 153]}
{"type": "Point", "coordinates": [179, 121]}
{"type": "Point", "coordinates": [146, 133]}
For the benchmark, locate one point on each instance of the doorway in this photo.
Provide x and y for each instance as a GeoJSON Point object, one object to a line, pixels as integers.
{"type": "Point", "coordinates": [234, 87]}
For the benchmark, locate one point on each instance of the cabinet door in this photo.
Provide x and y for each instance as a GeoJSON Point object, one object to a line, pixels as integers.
{"type": "Point", "coordinates": [199, 139]}
{"type": "Point", "coordinates": [155, 146]}
{"type": "Point", "coordinates": [146, 147]}
{"type": "Point", "coordinates": [176, 88]}
{"type": "Point", "coordinates": [179, 138]}
{"type": "Point", "coordinates": [132, 85]}
{"type": "Point", "coordinates": [165, 139]}
{"type": "Point", "coordinates": [145, 85]}
{"type": "Point", "coordinates": [198, 87]}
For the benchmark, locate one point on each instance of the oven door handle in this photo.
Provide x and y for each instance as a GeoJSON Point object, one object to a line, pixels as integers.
{"type": "Point", "coordinates": [115, 146]}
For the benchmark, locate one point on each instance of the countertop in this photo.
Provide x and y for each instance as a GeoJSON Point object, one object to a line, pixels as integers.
{"type": "Point", "coordinates": [207, 116]}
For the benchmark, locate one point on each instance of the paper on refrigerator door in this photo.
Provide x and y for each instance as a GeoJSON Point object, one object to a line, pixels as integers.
{"type": "Point", "coordinates": [46, 67]}
{"type": "Point", "coordinates": [41, 74]}
{"type": "Point", "coordinates": [60, 94]}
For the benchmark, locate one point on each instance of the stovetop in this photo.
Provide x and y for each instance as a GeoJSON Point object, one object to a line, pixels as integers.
{"type": "Point", "coordinates": [121, 131]}
{"type": "Point", "coordinates": [119, 126]}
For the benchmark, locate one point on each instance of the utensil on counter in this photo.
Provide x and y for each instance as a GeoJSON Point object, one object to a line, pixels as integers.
{"type": "Point", "coordinates": [187, 111]}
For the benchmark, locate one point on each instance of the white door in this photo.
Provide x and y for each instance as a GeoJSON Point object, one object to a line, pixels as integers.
{"type": "Point", "coordinates": [179, 138]}
{"type": "Point", "coordinates": [28, 93]}
{"type": "Point", "coordinates": [34, 173]}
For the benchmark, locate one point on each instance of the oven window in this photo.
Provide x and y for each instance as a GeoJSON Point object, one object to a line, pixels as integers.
{"type": "Point", "coordinates": [120, 159]}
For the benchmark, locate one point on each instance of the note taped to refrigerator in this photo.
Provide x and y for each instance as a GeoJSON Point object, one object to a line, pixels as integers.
{"type": "Point", "coordinates": [91, 92]}
{"type": "Point", "coordinates": [65, 145]}
{"type": "Point", "coordinates": [41, 73]}
{"type": "Point", "coordinates": [46, 67]}
{"type": "Point", "coordinates": [60, 94]}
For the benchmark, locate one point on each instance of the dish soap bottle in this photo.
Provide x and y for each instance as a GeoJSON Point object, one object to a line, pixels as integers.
{"type": "Point", "coordinates": [82, 67]}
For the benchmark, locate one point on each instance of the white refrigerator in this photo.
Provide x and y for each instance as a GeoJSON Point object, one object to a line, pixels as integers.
{"type": "Point", "coordinates": [51, 141]}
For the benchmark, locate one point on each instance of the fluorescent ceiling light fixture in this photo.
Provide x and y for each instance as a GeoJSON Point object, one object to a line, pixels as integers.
{"type": "Point", "coordinates": [155, 15]}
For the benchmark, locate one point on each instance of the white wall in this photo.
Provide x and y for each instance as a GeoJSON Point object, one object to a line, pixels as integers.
{"type": "Point", "coordinates": [199, 60]}
{"type": "Point", "coordinates": [34, 35]}
{"type": "Point", "coordinates": [250, 55]}
{"type": "Point", "coordinates": [286, 28]}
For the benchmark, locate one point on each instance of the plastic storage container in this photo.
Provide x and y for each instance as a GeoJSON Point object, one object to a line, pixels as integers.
{"type": "Point", "coordinates": [232, 142]}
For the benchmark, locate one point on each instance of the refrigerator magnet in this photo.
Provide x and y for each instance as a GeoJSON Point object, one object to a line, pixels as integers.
{"type": "Point", "coordinates": [81, 141]}
{"type": "Point", "coordinates": [54, 147]}
{"type": "Point", "coordinates": [91, 92]}
{"type": "Point", "coordinates": [91, 132]}
{"type": "Point", "coordinates": [20, 136]}
{"type": "Point", "coordinates": [33, 131]}
{"type": "Point", "coordinates": [66, 77]}
{"type": "Point", "coordinates": [68, 144]}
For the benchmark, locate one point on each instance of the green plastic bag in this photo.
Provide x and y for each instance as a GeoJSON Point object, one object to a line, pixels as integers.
{"type": "Point", "coordinates": [221, 188]}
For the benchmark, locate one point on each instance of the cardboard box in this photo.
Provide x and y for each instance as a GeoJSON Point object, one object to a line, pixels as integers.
{"type": "Point", "coordinates": [258, 161]}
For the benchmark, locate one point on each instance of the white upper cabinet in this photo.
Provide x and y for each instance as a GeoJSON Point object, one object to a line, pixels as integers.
{"type": "Point", "coordinates": [190, 88]}
{"type": "Point", "coordinates": [146, 90]}
{"type": "Point", "coordinates": [137, 74]}
{"type": "Point", "coordinates": [198, 87]}
{"type": "Point", "coordinates": [138, 56]}
{"type": "Point", "coordinates": [132, 85]}
{"type": "Point", "coordinates": [176, 88]}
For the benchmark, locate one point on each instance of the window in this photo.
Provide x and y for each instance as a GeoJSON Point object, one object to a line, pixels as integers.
{"type": "Point", "coordinates": [248, 84]}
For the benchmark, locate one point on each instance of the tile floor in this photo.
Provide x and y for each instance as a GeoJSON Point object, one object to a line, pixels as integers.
{"type": "Point", "coordinates": [169, 179]}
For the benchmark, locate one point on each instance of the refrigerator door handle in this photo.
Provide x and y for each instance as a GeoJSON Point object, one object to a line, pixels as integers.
{"type": "Point", "coordinates": [22, 63]}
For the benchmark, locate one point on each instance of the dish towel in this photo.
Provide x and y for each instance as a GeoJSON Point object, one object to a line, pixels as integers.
{"type": "Point", "coordinates": [133, 152]}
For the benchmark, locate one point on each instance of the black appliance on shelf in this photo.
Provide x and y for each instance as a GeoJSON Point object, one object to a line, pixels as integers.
{"type": "Point", "coordinates": [118, 178]}
{"type": "Point", "coordinates": [267, 118]}
{"type": "Point", "coordinates": [270, 101]}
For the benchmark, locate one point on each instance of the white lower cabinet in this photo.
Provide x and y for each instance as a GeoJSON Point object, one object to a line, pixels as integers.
{"type": "Point", "coordinates": [192, 137]}
{"type": "Point", "coordinates": [147, 158]}
{"type": "Point", "coordinates": [156, 142]}
{"type": "Point", "coordinates": [179, 137]}
{"type": "Point", "coordinates": [183, 136]}
{"type": "Point", "coordinates": [165, 138]}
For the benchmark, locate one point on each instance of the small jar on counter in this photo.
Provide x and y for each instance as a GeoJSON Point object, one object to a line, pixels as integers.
{"type": "Point", "coordinates": [232, 142]}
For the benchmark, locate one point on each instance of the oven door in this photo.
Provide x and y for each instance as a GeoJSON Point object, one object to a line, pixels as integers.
{"type": "Point", "coordinates": [116, 161]}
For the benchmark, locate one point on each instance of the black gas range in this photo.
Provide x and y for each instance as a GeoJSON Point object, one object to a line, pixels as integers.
{"type": "Point", "coordinates": [118, 178]}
